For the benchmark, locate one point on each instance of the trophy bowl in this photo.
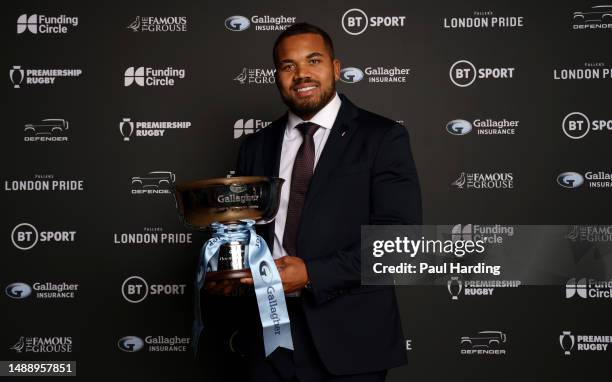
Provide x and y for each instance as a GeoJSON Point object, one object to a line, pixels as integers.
{"type": "Point", "coordinates": [229, 207]}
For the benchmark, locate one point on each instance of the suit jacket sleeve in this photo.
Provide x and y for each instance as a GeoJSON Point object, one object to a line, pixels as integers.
{"type": "Point", "coordinates": [395, 198]}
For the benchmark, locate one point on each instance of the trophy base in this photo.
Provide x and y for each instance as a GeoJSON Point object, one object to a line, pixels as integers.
{"type": "Point", "coordinates": [228, 275]}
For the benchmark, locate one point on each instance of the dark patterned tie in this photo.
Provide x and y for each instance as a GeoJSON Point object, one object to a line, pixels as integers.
{"type": "Point", "coordinates": [300, 179]}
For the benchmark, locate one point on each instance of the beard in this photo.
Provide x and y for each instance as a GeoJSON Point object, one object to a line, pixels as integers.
{"type": "Point", "coordinates": [312, 105]}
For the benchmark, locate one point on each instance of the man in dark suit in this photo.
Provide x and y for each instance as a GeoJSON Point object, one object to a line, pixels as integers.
{"type": "Point", "coordinates": [344, 167]}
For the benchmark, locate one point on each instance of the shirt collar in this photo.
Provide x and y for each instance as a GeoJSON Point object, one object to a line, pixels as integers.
{"type": "Point", "coordinates": [324, 117]}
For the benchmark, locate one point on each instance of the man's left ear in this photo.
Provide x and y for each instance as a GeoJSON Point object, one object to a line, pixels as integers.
{"type": "Point", "coordinates": [336, 69]}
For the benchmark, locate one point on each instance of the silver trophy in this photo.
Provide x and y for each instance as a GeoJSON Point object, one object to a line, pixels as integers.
{"type": "Point", "coordinates": [228, 207]}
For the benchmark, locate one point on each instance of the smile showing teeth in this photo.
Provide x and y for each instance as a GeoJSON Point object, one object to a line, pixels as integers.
{"type": "Point", "coordinates": [305, 89]}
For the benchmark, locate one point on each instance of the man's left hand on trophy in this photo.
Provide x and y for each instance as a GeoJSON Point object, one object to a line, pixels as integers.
{"type": "Point", "coordinates": [293, 273]}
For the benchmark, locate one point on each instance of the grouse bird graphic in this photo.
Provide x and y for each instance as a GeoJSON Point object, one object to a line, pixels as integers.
{"type": "Point", "coordinates": [18, 347]}
{"type": "Point", "coordinates": [242, 76]}
{"type": "Point", "coordinates": [460, 182]}
{"type": "Point", "coordinates": [135, 24]}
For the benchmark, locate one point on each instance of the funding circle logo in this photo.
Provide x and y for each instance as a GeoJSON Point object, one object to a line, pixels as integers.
{"type": "Point", "coordinates": [459, 127]}
{"type": "Point", "coordinates": [25, 22]}
{"type": "Point", "coordinates": [570, 179]}
{"type": "Point", "coordinates": [351, 75]}
{"type": "Point", "coordinates": [266, 272]}
{"type": "Point", "coordinates": [24, 236]}
{"type": "Point", "coordinates": [18, 290]}
{"type": "Point", "coordinates": [134, 289]}
{"type": "Point", "coordinates": [576, 125]}
{"type": "Point", "coordinates": [354, 21]}
{"type": "Point", "coordinates": [133, 74]}
{"type": "Point", "coordinates": [462, 73]}
{"type": "Point", "coordinates": [237, 23]}
{"type": "Point", "coordinates": [130, 344]}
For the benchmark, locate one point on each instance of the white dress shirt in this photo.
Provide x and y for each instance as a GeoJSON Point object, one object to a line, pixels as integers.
{"type": "Point", "coordinates": [292, 140]}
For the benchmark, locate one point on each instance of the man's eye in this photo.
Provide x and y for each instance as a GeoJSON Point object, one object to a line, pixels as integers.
{"type": "Point", "coordinates": [287, 68]}
{"type": "Point", "coordinates": [314, 61]}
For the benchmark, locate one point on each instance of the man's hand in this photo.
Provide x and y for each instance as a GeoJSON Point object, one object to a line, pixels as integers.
{"type": "Point", "coordinates": [292, 271]}
{"type": "Point", "coordinates": [222, 287]}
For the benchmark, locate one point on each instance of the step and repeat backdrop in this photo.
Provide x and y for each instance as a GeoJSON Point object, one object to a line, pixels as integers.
{"type": "Point", "coordinates": [106, 104]}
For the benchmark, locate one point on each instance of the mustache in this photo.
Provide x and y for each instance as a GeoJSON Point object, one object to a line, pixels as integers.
{"type": "Point", "coordinates": [300, 81]}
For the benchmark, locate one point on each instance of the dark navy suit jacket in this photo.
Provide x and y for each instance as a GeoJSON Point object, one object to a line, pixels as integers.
{"type": "Point", "coordinates": [365, 175]}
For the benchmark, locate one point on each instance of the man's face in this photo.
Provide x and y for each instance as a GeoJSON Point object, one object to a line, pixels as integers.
{"type": "Point", "coordinates": [306, 74]}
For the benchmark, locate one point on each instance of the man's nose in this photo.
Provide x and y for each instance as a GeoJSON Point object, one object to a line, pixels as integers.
{"type": "Point", "coordinates": [301, 71]}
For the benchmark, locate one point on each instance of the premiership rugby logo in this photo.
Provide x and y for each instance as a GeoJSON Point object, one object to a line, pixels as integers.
{"type": "Point", "coordinates": [36, 77]}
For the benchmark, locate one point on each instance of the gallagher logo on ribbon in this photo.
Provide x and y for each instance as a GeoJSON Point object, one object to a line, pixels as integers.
{"type": "Point", "coordinates": [266, 272]}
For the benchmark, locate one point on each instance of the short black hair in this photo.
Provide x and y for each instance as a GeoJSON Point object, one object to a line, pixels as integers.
{"type": "Point", "coordinates": [303, 28]}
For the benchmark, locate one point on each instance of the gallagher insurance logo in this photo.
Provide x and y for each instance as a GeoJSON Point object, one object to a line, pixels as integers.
{"type": "Point", "coordinates": [576, 125]}
{"type": "Point", "coordinates": [41, 24]}
{"type": "Point", "coordinates": [596, 17]}
{"type": "Point", "coordinates": [18, 291]}
{"type": "Point", "coordinates": [36, 77]}
{"type": "Point", "coordinates": [44, 290]}
{"type": "Point", "coordinates": [260, 23]}
{"type": "Point", "coordinates": [463, 73]}
{"type": "Point", "coordinates": [570, 179]}
{"type": "Point", "coordinates": [488, 126]}
{"type": "Point", "coordinates": [351, 75]}
{"type": "Point", "coordinates": [132, 344]}
{"type": "Point", "coordinates": [355, 21]}
{"type": "Point", "coordinates": [145, 76]}
{"type": "Point", "coordinates": [158, 24]}
{"type": "Point", "coordinates": [593, 179]}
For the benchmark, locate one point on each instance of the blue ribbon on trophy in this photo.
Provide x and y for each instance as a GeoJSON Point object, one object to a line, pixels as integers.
{"type": "Point", "coordinates": [229, 208]}
{"type": "Point", "coordinates": [266, 279]}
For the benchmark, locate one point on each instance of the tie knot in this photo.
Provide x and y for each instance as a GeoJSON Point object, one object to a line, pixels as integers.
{"type": "Point", "coordinates": [307, 128]}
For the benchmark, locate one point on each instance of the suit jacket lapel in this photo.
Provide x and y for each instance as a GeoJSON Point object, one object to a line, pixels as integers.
{"type": "Point", "coordinates": [332, 152]}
